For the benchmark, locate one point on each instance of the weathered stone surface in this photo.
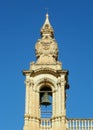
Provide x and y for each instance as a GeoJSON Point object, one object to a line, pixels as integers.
{"type": "Point", "coordinates": [46, 72]}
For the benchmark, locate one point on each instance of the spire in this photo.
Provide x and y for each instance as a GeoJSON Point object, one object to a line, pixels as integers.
{"type": "Point", "coordinates": [47, 20]}
{"type": "Point", "coordinates": [46, 47]}
{"type": "Point", "coordinates": [47, 29]}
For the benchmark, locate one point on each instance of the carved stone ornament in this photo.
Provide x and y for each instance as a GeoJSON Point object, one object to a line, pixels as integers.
{"type": "Point", "coordinates": [29, 82]}
{"type": "Point", "coordinates": [46, 47]}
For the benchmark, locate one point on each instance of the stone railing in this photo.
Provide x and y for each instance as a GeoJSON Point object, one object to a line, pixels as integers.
{"type": "Point", "coordinates": [45, 124]}
{"type": "Point", "coordinates": [80, 124]}
{"type": "Point", "coordinates": [72, 124]}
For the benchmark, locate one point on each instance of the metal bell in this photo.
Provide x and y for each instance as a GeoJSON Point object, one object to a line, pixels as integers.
{"type": "Point", "coordinates": [45, 99]}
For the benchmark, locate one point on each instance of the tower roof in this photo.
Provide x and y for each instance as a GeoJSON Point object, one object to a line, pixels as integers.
{"type": "Point", "coordinates": [47, 28]}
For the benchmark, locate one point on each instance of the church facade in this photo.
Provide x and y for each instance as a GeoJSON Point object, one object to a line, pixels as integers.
{"type": "Point", "coordinates": [46, 83]}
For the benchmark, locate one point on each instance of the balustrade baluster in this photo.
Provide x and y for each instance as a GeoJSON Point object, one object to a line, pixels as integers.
{"type": "Point", "coordinates": [91, 125]}
{"type": "Point", "coordinates": [85, 125]}
{"type": "Point", "coordinates": [76, 124]}
{"type": "Point", "coordinates": [45, 124]}
{"type": "Point", "coordinates": [80, 124]}
{"type": "Point", "coordinates": [88, 125]}
{"type": "Point", "coordinates": [70, 125]}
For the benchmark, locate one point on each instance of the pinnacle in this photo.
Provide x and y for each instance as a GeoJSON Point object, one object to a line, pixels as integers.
{"type": "Point", "coordinates": [47, 28]}
{"type": "Point", "coordinates": [47, 19]}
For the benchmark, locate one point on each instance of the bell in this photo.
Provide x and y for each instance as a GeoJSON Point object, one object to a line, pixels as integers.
{"type": "Point", "coordinates": [45, 99]}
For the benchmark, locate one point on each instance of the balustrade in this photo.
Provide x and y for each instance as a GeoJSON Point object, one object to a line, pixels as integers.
{"type": "Point", "coordinates": [45, 124]}
{"type": "Point", "coordinates": [80, 124]}
{"type": "Point", "coordinates": [72, 124]}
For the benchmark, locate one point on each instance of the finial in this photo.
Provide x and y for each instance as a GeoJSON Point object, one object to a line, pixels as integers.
{"type": "Point", "coordinates": [47, 10]}
{"type": "Point", "coordinates": [47, 28]}
{"type": "Point", "coordinates": [47, 15]}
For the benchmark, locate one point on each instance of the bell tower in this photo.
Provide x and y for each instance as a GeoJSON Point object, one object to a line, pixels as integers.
{"type": "Point", "coordinates": [46, 83]}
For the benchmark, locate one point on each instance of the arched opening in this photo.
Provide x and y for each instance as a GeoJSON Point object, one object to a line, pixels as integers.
{"type": "Point", "coordinates": [45, 102]}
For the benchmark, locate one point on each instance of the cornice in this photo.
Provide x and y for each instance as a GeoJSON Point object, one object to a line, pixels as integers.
{"type": "Point", "coordinates": [56, 73]}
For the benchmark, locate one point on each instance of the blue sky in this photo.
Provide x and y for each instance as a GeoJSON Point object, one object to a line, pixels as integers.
{"type": "Point", "coordinates": [20, 23]}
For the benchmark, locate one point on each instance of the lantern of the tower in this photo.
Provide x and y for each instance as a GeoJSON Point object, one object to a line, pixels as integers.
{"type": "Point", "coordinates": [46, 84]}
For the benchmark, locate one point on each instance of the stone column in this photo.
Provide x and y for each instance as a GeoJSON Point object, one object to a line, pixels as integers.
{"type": "Point", "coordinates": [26, 117]}
{"type": "Point", "coordinates": [63, 82]}
{"type": "Point", "coordinates": [59, 99]}
{"type": "Point", "coordinates": [31, 96]}
{"type": "Point", "coordinates": [53, 110]}
{"type": "Point", "coordinates": [37, 110]}
{"type": "Point", "coordinates": [27, 82]}
{"type": "Point", "coordinates": [53, 104]}
{"type": "Point", "coordinates": [30, 104]}
{"type": "Point", "coordinates": [63, 117]}
{"type": "Point", "coordinates": [57, 103]}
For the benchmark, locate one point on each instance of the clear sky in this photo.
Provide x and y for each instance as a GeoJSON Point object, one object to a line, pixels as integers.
{"type": "Point", "coordinates": [20, 23]}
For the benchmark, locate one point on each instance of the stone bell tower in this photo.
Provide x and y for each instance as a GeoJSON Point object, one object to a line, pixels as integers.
{"type": "Point", "coordinates": [46, 83]}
